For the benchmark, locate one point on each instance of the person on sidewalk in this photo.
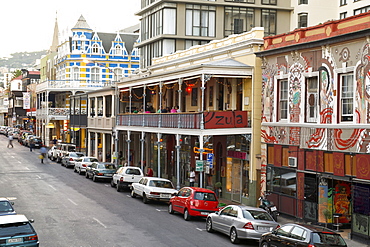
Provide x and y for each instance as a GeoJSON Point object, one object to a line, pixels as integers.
{"type": "Point", "coordinates": [10, 138]}
{"type": "Point", "coordinates": [32, 144]}
{"type": "Point", "coordinates": [43, 152]}
{"type": "Point", "coordinates": [192, 177]}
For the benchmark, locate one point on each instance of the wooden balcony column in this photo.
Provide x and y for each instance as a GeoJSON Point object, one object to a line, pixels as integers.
{"type": "Point", "coordinates": [180, 93]}
{"type": "Point", "coordinates": [142, 141]}
{"type": "Point", "coordinates": [130, 105]}
{"type": "Point", "coordinates": [160, 103]}
{"type": "Point", "coordinates": [205, 79]}
{"type": "Point", "coordinates": [89, 144]}
{"type": "Point", "coordinates": [144, 103]}
{"type": "Point", "coordinates": [128, 146]}
{"type": "Point", "coordinates": [96, 106]}
{"type": "Point", "coordinates": [104, 106]}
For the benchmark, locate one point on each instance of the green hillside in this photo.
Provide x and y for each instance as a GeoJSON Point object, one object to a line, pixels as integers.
{"type": "Point", "coordinates": [21, 59]}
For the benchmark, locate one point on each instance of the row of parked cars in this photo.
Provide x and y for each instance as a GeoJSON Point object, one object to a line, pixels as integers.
{"type": "Point", "coordinates": [236, 221]}
{"type": "Point", "coordinates": [24, 137]}
{"type": "Point", "coordinates": [15, 229]}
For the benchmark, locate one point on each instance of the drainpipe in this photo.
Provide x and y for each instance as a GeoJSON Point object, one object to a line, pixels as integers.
{"type": "Point", "coordinates": [142, 149]}
{"type": "Point", "coordinates": [178, 161]}
{"type": "Point", "coordinates": [128, 146]}
{"type": "Point", "coordinates": [159, 154]}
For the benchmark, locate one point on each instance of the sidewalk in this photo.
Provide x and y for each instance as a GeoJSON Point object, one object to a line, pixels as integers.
{"type": "Point", "coordinates": [283, 219]}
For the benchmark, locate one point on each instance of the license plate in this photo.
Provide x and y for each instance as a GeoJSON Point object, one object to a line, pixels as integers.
{"type": "Point", "coordinates": [165, 195]}
{"type": "Point", "coordinates": [14, 240]}
{"type": "Point", "coordinates": [273, 208]}
{"type": "Point", "coordinates": [204, 213]}
{"type": "Point", "coordinates": [109, 174]}
{"type": "Point", "coordinates": [264, 228]}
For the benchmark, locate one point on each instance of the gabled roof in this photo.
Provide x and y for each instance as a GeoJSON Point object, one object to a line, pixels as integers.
{"type": "Point", "coordinates": [81, 24]}
{"type": "Point", "coordinates": [107, 39]}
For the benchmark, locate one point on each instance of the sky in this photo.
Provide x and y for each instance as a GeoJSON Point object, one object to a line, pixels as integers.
{"type": "Point", "coordinates": [27, 26]}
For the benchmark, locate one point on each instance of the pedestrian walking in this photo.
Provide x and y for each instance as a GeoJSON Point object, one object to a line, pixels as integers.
{"type": "Point", "coordinates": [10, 138]}
{"type": "Point", "coordinates": [32, 144]}
{"type": "Point", "coordinates": [43, 152]}
{"type": "Point", "coordinates": [192, 177]}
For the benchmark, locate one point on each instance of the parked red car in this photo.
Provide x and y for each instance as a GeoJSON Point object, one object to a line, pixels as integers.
{"type": "Point", "coordinates": [193, 202]}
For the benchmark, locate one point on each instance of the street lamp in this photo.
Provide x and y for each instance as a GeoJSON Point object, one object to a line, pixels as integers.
{"type": "Point", "coordinates": [114, 130]}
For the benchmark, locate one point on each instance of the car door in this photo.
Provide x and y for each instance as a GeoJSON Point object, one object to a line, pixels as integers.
{"type": "Point", "coordinates": [175, 200]}
{"type": "Point", "coordinates": [281, 237]}
{"type": "Point", "coordinates": [140, 186]}
{"type": "Point", "coordinates": [117, 175]}
{"type": "Point", "coordinates": [182, 200]}
{"type": "Point", "coordinates": [219, 221]}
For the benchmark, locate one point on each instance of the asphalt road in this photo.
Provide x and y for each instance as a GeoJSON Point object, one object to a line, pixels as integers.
{"type": "Point", "coordinates": [70, 210]}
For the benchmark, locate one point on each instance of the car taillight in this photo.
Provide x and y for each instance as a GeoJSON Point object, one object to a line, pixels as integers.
{"type": "Point", "coordinates": [311, 245]}
{"type": "Point", "coordinates": [122, 179]}
{"type": "Point", "coordinates": [278, 226]}
{"type": "Point", "coordinates": [248, 226]}
{"type": "Point", "coordinates": [100, 174]}
{"type": "Point", "coordinates": [31, 238]}
{"type": "Point", "coordinates": [70, 159]}
{"type": "Point", "coordinates": [154, 193]}
{"type": "Point", "coordinates": [84, 165]}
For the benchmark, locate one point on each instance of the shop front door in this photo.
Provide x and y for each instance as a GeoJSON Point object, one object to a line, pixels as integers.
{"type": "Point", "coordinates": [236, 182]}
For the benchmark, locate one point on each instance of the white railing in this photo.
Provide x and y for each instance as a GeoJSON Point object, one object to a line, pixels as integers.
{"type": "Point", "coordinates": [64, 84]}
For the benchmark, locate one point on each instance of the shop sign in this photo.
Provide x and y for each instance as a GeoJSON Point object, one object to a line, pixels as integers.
{"type": "Point", "coordinates": [237, 155]}
{"type": "Point", "coordinates": [199, 165]}
{"type": "Point", "coordinates": [227, 119]}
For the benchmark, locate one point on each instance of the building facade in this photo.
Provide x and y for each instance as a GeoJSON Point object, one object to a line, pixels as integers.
{"type": "Point", "coordinates": [315, 122]}
{"type": "Point", "coordinates": [198, 108]}
{"type": "Point", "coordinates": [84, 62]}
{"type": "Point", "coordinates": [170, 26]}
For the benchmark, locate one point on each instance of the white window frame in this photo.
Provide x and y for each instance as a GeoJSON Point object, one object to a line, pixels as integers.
{"type": "Point", "coordinates": [95, 74]}
{"type": "Point", "coordinates": [312, 92]}
{"type": "Point", "coordinates": [95, 48]}
{"type": "Point", "coordinates": [76, 73]}
{"type": "Point", "coordinates": [283, 99]}
{"type": "Point", "coordinates": [347, 97]}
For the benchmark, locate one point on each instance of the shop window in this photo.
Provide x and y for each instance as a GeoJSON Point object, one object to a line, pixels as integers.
{"type": "Point", "coordinates": [346, 97]}
{"type": "Point", "coordinates": [283, 181]}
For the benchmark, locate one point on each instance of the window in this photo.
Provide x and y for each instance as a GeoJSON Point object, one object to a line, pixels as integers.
{"type": "Point", "coordinates": [312, 100]}
{"type": "Point", "coordinates": [200, 20]}
{"type": "Point", "coordinates": [117, 74]}
{"type": "Point", "coordinates": [346, 97]}
{"type": "Point", "coordinates": [238, 20]}
{"type": "Point", "coordinates": [76, 73]}
{"type": "Point", "coordinates": [343, 2]}
{"type": "Point", "coordinates": [194, 96]}
{"type": "Point", "coordinates": [118, 50]}
{"type": "Point", "coordinates": [298, 233]}
{"type": "Point", "coordinates": [95, 48]}
{"type": "Point", "coordinates": [302, 20]}
{"type": "Point", "coordinates": [283, 100]}
{"type": "Point", "coordinates": [284, 231]}
{"type": "Point", "coordinates": [270, 2]}
{"type": "Point", "coordinates": [361, 10]}
{"type": "Point", "coordinates": [302, 2]}
{"type": "Point", "coordinates": [343, 15]}
{"type": "Point", "coordinates": [190, 43]}
{"type": "Point", "coordinates": [269, 21]}
{"type": "Point", "coordinates": [95, 74]}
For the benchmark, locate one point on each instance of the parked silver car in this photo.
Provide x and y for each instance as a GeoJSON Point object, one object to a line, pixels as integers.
{"type": "Point", "coordinates": [70, 158]}
{"type": "Point", "coordinates": [241, 222]}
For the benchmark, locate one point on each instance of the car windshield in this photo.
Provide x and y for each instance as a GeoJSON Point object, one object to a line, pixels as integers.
{"type": "Point", "coordinates": [91, 160]}
{"type": "Point", "coordinates": [5, 207]}
{"type": "Point", "coordinates": [15, 229]}
{"type": "Point", "coordinates": [327, 239]}
{"type": "Point", "coordinates": [205, 196]}
{"type": "Point", "coordinates": [131, 171]}
{"type": "Point", "coordinates": [256, 215]}
{"type": "Point", "coordinates": [106, 166]}
{"type": "Point", "coordinates": [71, 149]}
{"type": "Point", "coordinates": [161, 184]}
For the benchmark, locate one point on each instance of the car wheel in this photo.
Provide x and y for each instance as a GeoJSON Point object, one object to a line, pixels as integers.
{"type": "Point", "coordinates": [95, 179]}
{"type": "Point", "coordinates": [234, 236]}
{"type": "Point", "coordinates": [145, 199]}
{"type": "Point", "coordinates": [74, 169]}
{"type": "Point", "coordinates": [118, 188]}
{"type": "Point", "coordinates": [186, 215]}
{"type": "Point", "coordinates": [87, 175]}
{"type": "Point", "coordinates": [133, 195]}
{"type": "Point", "coordinates": [79, 172]}
{"type": "Point", "coordinates": [112, 183]}
{"type": "Point", "coordinates": [209, 225]}
{"type": "Point", "coordinates": [170, 209]}
{"type": "Point", "coordinates": [264, 244]}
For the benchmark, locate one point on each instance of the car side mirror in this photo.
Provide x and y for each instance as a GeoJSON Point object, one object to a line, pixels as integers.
{"type": "Point", "coordinates": [175, 194]}
{"type": "Point", "coordinates": [31, 220]}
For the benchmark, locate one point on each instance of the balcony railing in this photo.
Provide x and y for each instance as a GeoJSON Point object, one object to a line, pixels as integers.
{"type": "Point", "coordinates": [53, 112]}
{"type": "Point", "coordinates": [212, 120]}
{"type": "Point", "coordinates": [64, 84]}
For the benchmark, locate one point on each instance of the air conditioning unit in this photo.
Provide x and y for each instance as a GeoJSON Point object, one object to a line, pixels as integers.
{"type": "Point", "coordinates": [292, 161]}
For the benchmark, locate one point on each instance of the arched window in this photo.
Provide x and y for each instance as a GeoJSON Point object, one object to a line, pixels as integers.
{"type": "Point", "coordinates": [76, 73]}
{"type": "Point", "coordinates": [95, 75]}
{"type": "Point", "coordinates": [118, 50]}
{"type": "Point", "coordinates": [95, 48]}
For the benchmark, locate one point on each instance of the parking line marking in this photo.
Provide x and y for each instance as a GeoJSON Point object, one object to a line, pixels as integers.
{"type": "Point", "coordinates": [19, 162]}
{"type": "Point", "coordinates": [72, 202]}
{"type": "Point", "coordinates": [27, 168]}
{"type": "Point", "coordinates": [100, 222]}
{"type": "Point", "coordinates": [199, 229]}
{"type": "Point", "coordinates": [38, 176]}
{"type": "Point", "coordinates": [160, 210]}
{"type": "Point", "coordinates": [128, 195]}
{"type": "Point", "coordinates": [52, 187]}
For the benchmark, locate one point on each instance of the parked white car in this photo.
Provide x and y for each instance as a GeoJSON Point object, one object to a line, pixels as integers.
{"type": "Point", "coordinates": [152, 188]}
{"type": "Point", "coordinates": [70, 158]}
{"type": "Point", "coordinates": [80, 166]}
{"type": "Point", "coordinates": [51, 152]}
{"type": "Point", "coordinates": [125, 176]}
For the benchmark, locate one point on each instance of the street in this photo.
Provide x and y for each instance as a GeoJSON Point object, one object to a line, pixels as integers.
{"type": "Point", "coordinates": [70, 210]}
